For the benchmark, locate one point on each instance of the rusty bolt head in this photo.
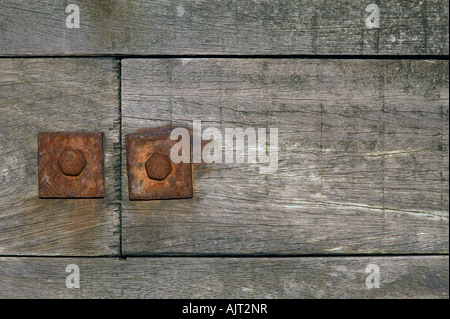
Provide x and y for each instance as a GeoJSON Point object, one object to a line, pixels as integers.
{"type": "Point", "coordinates": [158, 166]}
{"type": "Point", "coordinates": [72, 162]}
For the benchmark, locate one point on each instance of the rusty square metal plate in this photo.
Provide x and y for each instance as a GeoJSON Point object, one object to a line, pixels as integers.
{"type": "Point", "coordinates": [71, 165]}
{"type": "Point", "coordinates": [151, 173]}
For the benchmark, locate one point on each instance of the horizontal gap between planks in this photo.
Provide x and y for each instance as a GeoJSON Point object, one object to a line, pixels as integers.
{"type": "Point", "coordinates": [213, 256]}
{"type": "Point", "coordinates": [237, 56]}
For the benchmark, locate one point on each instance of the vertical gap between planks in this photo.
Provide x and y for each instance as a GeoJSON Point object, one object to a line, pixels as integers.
{"type": "Point", "coordinates": [119, 71]}
{"type": "Point", "coordinates": [442, 156]}
{"type": "Point", "coordinates": [383, 142]}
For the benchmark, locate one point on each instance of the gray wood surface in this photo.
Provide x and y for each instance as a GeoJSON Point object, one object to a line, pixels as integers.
{"type": "Point", "coordinates": [363, 159]}
{"type": "Point", "coordinates": [56, 95]}
{"type": "Point", "coordinates": [239, 27]}
{"type": "Point", "coordinates": [363, 166]}
{"type": "Point", "coordinates": [400, 277]}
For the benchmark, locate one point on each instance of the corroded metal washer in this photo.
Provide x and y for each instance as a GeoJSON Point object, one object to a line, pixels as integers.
{"type": "Point", "coordinates": [151, 174]}
{"type": "Point", "coordinates": [71, 165]}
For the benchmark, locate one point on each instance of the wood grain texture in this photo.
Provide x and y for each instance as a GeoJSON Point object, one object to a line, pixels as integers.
{"type": "Point", "coordinates": [194, 278]}
{"type": "Point", "coordinates": [142, 27]}
{"type": "Point", "coordinates": [362, 160]}
{"type": "Point", "coordinates": [56, 95]}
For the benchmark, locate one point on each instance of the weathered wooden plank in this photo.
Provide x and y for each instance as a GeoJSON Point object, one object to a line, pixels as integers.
{"type": "Point", "coordinates": [445, 142]}
{"type": "Point", "coordinates": [56, 95]}
{"type": "Point", "coordinates": [223, 27]}
{"type": "Point", "coordinates": [361, 161]}
{"type": "Point", "coordinates": [400, 277]}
